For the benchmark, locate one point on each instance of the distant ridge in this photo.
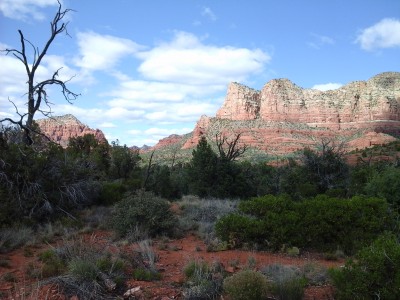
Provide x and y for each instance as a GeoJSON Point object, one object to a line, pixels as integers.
{"type": "Point", "coordinates": [282, 117]}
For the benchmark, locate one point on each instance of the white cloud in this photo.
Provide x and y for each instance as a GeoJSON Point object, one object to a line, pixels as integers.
{"type": "Point", "coordinates": [98, 116]}
{"type": "Point", "coordinates": [187, 60]}
{"type": "Point", "coordinates": [25, 9]}
{"type": "Point", "coordinates": [135, 131]}
{"type": "Point", "coordinates": [207, 12]}
{"type": "Point", "coordinates": [107, 125]}
{"type": "Point", "coordinates": [384, 34]}
{"type": "Point", "coordinates": [320, 40]}
{"type": "Point", "coordinates": [102, 52]}
{"type": "Point", "coordinates": [327, 86]}
{"type": "Point", "coordinates": [12, 77]}
{"type": "Point", "coordinates": [134, 93]}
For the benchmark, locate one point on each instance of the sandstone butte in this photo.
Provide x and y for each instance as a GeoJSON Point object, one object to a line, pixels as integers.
{"type": "Point", "coordinates": [283, 117]}
{"type": "Point", "coordinates": [59, 129]}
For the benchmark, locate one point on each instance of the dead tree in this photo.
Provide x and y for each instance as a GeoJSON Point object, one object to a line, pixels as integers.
{"type": "Point", "coordinates": [230, 149]}
{"type": "Point", "coordinates": [37, 95]}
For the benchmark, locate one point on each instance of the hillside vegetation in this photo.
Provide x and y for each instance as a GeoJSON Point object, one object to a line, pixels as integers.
{"type": "Point", "coordinates": [313, 202]}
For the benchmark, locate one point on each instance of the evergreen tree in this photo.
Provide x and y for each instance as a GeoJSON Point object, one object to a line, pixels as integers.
{"type": "Point", "coordinates": [203, 169]}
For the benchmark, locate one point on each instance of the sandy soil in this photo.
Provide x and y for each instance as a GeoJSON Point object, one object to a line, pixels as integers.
{"type": "Point", "coordinates": [172, 255]}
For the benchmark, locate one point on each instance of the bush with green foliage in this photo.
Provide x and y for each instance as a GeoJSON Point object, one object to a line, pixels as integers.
{"type": "Point", "coordinates": [42, 181]}
{"type": "Point", "coordinates": [287, 282]}
{"type": "Point", "coordinates": [386, 184]}
{"type": "Point", "coordinates": [321, 223]}
{"type": "Point", "coordinates": [247, 284]}
{"type": "Point", "coordinates": [111, 192]}
{"type": "Point", "coordinates": [146, 211]}
{"type": "Point", "coordinates": [373, 274]}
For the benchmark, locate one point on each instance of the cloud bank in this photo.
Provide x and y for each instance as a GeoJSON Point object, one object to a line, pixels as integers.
{"type": "Point", "coordinates": [384, 34]}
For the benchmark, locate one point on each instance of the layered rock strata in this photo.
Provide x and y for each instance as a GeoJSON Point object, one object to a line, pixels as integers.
{"type": "Point", "coordinates": [61, 128]}
{"type": "Point", "coordinates": [283, 117]}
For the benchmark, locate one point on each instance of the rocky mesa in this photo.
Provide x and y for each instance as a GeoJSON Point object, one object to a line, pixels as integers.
{"type": "Point", "coordinates": [283, 117]}
{"type": "Point", "coordinates": [59, 129]}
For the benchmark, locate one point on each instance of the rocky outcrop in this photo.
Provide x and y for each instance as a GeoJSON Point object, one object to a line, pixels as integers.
{"type": "Point", "coordinates": [283, 117]}
{"type": "Point", "coordinates": [241, 103]}
{"type": "Point", "coordinates": [165, 142]}
{"type": "Point", "coordinates": [61, 128]}
{"type": "Point", "coordinates": [280, 100]}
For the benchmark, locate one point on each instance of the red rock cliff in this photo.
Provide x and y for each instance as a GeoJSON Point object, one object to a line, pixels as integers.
{"type": "Point", "coordinates": [60, 129]}
{"type": "Point", "coordinates": [284, 117]}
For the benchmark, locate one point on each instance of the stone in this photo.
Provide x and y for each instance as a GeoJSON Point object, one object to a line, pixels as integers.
{"type": "Point", "coordinates": [282, 117]}
{"type": "Point", "coordinates": [61, 128]}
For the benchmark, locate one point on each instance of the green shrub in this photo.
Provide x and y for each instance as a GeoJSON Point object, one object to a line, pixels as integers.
{"type": "Point", "coordinates": [315, 274]}
{"type": "Point", "coordinates": [293, 251]}
{"type": "Point", "coordinates": [237, 229]}
{"type": "Point", "coordinates": [146, 275]}
{"type": "Point", "coordinates": [145, 210]}
{"type": "Point", "coordinates": [111, 192]}
{"type": "Point", "coordinates": [373, 274]}
{"type": "Point", "coordinates": [386, 184]}
{"type": "Point", "coordinates": [321, 223]}
{"type": "Point", "coordinates": [288, 282]}
{"type": "Point", "coordinates": [247, 285]}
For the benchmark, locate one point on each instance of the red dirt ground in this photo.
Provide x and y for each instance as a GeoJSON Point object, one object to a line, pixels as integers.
{"type": "Point", "coordinates": [173, 255]}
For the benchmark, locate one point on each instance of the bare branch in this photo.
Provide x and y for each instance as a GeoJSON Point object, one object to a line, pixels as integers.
{"type": "Point", "coordinates": [230, 149]}
{"type": "Point", "coordinates": [37, 95]}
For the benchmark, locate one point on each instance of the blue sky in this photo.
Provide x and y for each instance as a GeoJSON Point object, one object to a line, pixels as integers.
{"type": "Point", "coordinates": [147, 69]}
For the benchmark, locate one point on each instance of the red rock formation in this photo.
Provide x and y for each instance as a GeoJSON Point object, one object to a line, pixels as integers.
{"type": "Point", "coordinates": [169, 140]}
{"type": "Point", "coordinates": [284, 117]}
{"type": "Point", "coordinates": [60, 129]}
{"type": "Point", "coordinates": [201, 128]}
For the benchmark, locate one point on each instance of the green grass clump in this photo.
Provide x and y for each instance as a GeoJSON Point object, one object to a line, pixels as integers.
{"type": "Point", "coordinates": [248, 284]}
{"type": "Point", "coordinates": [83, 269]}
{"type": "Point", "coordinates": [146, 275]}
{"type": "Point", "coordinates": [203, 281]}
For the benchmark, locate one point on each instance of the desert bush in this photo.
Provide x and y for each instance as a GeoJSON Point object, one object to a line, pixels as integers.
{"type": "Point", "coordinates": [111, 192]}
{"type": "Point", "coordinates": [148, 255]}
{"type": "Point", "coordinates": [145, 274]}
{"type": "Point", "coordinates": [321, 223]}
{"type": "Point", "coordinates": [13, 238]}
{"type": "Point", "coordinates": [238, 229]}
{"type": "Point", "coordinates": [45, 182]}
{"type": "Point", "coordinates": [202, 214]}
{"type": "Point", "coordinates": [52, 264]}
{"type": "Point", "coordinates": [203, 281]}
{"type": "Point", "coordinates": [373, 274]}
{"type": "Point", "coordinates": [386, 184]}
{"type": "Point", "coordinates": [96, 217]}
{"type": "Point", "coordinates": [193, 268]}
{"type": "Point", "coordinates": [145, 210]}
{"type": "Point", "coordinates": [287, 282]}
{"type": "Point", "coordinates": [90, 270]}
{"type": "Point", "coordinates": [82, 269]}
{"type": "Point", "coordinates": [248, 284]}
{"type": "Point", "coordinates": [315, 274]}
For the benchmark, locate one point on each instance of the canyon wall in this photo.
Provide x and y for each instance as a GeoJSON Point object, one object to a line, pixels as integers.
{"type": "Point", "coordinates": [283, 117]}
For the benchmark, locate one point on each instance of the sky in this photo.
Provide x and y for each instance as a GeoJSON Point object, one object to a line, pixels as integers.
{"type": "Point", "coordinates": [148, 69]}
